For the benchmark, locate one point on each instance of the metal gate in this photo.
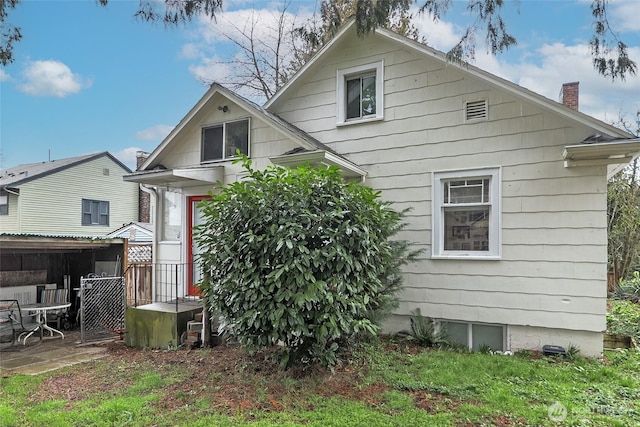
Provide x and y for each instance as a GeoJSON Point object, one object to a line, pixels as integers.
{"type": "Point", "coordinates": [102, 307]}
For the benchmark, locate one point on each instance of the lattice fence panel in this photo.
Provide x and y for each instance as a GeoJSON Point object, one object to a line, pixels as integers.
{"type": "Point", "coordinates": [139, 253]}
{"type": "Point", "coordinates": [102, 307]}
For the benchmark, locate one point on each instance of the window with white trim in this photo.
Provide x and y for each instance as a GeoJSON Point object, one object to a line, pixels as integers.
{"type": "Point", "coordinates": [466, 214]}
{"type": "Point", "coordinates": [220, 142]}
{"type": "Point", "coordinates": [359, 93]}
{"type": "Point", "coordinates": [95, 212]}
{"type": "Point", "coordinates": [4, 203]}
{"type": "Point", "coordinates": [171, 216]}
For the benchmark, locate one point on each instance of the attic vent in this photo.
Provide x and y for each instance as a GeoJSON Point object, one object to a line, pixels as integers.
{"type": "Point", "coordinates": [476, 110]}
{"type": "Point", "coordinates": [105, 171]}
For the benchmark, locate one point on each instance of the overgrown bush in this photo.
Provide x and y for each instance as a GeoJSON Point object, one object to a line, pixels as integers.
{"type": "Point", "coordinates": [300, 258]}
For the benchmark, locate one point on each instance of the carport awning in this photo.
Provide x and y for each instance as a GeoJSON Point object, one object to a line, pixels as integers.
{"type": "Point", "coordinates": [45, 243]}
{"type": "Point", "coordinates": [179, 177]}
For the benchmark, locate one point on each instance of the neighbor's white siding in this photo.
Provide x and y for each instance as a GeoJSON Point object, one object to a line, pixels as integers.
{"type": "Point", "coordinates": [10, 223]}
{"type": "Point", "coordinates": [52, 204]}
{"type": "Point", "coordinates": [553, 268]}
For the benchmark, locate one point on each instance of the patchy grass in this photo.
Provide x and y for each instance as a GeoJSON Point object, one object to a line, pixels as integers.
{"type": "Point", "coordinates": [391, 382]}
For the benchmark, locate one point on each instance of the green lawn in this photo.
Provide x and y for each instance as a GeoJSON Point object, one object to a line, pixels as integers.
{"type": "Point", "coordinates": [387, 383]}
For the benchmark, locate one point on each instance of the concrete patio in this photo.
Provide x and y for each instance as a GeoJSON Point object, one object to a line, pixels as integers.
{"type": "Point", "coordinates": [51, 353]}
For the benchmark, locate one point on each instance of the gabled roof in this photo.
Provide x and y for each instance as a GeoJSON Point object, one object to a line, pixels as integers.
{"type": "Point", "coordinates": [348, 30]}
{"type": "Point", "coordinates": [296, 134]}
{"type": "Point", "coordinates": [140, 231]}
{"type": "Point", "coordinates": [17, 175]}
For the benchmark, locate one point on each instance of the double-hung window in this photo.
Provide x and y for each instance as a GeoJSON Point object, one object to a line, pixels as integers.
{"type": "Point", "coordinates": [95, 212]}
{"type": "Point", "coordinates": [360, 93]}
{"type": "Point", "coordinates": [4, 203]}
{"type": "Point", "coordinates": [220, 142]}
{"type": "Point", "coordinates": [466, 214]}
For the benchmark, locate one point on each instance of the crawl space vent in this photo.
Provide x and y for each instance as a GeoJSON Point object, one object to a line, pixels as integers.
{"type": "Point", "coordinates": [476, 110]}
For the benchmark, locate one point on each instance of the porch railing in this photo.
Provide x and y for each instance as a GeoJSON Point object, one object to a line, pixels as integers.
{"type": "Point", "coordinates": [158, 282]}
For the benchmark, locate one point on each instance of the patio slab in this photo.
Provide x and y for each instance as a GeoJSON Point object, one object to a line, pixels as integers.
{"type": "Point", "coordinates": [49, 354]}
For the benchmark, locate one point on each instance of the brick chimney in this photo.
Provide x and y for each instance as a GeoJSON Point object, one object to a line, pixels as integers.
{"type": "Point", "coordinates": [570, 93]}
{"type": "Point", "coordinates": [144, 199]}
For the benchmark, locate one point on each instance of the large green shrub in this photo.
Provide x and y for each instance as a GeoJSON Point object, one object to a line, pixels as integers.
{"type": "Point", "coordinates": [300, 258]}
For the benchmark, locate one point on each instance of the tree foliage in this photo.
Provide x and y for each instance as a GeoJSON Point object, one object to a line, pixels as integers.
{"type": "Point", "coordinates": [300, 258]}
{"type": "Point", "coordinates": [609, 54]}
{"type": "Point", "coordinates": [623, 201]}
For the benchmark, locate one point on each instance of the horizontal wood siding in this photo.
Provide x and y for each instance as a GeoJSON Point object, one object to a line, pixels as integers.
{"type": "Point", "coordinates": [10, 223]}
{"type": "Point", "coordinates": [53, 204]}
{"type": "Point", "coordinates": [552, 273]}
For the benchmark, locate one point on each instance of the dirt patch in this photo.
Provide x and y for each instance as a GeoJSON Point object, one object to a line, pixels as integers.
{"type": "Point", "coordinates": [230, 381]}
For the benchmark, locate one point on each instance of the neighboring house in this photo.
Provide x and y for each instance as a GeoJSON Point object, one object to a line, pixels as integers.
{"type": "Point", "coordinates": [507, 189]}
{"type": "Point", "coordinates": [78, 196]}
{"type": "Point", "coordinates": [54, 220]}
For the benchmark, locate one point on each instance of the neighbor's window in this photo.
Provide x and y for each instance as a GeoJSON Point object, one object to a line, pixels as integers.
{"type": "Point", "coordinates": [4, 203]}
{"type": "Point", "coordinates": [221, 141]}
{"type": "Point", "coordinates": [171, 215]}
{"type": "Point", "coordinates": [95, 212]}
{"type": "Point", "coordinates": [359, 93]}
{"type": "Point", "coordinates": [466, 215]}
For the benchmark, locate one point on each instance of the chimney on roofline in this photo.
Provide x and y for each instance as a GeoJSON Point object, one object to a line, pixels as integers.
{"type": "Point", "coordinates": [144, 198]}
{"type": "Point", "coordinates": [570, 92]}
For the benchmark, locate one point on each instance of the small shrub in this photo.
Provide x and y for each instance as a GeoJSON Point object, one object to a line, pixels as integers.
{"type": "Point", "coordinates": [628, 289]}
{"type": "Point", "coordinates": [573, 352]}
{"type": "Point", "coordinates": [424, 331]}
{"type": "Point", "coordinates": [485, 349]}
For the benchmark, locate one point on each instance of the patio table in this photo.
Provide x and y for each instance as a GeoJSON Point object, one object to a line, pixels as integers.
{"type": "Point", "coordinates": [40, 310]}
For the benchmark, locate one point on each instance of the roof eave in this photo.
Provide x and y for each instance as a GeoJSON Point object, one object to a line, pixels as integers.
{"type": "Point", "coordinates": [601, 154]}
{"type": "Point", "coordinates": [179, 177]}
{"type": "Point", "coordinates": [320, 158]}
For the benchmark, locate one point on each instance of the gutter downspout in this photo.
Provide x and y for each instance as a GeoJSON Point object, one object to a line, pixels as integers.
{"type": "Point", "coordinates": [153, 194]}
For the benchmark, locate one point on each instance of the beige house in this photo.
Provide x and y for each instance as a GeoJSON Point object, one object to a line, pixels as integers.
{"type": "Point", "coordinates": [77, 196]}
{"type": "Point", "coordinates": [507, 189]}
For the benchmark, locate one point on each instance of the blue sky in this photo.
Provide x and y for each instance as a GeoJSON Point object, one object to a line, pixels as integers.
{"type": "Point", "coordinates": [88, 78]}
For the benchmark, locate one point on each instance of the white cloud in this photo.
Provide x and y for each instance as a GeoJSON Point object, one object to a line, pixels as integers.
{"type": "Point", "coordinates": [4, 76]}
{"type": "Point", "coordinates": [625, 15]}
{"type": "Point", "coordinates": [128, 156]}
{"type": "Point", "coordinates": [218, 56]}
{"type": "Point", "coordinates": [51, 78]}
{"type": "Point", "coordinates": [441, 35]}
{"type": "Point", "coordinates": [212, 70]}
{"type": "Point", "coordinates": [154, 133]}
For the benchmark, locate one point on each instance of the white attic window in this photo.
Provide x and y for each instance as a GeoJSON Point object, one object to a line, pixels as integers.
{"type": "Point", "coordinates": [476, 110]}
